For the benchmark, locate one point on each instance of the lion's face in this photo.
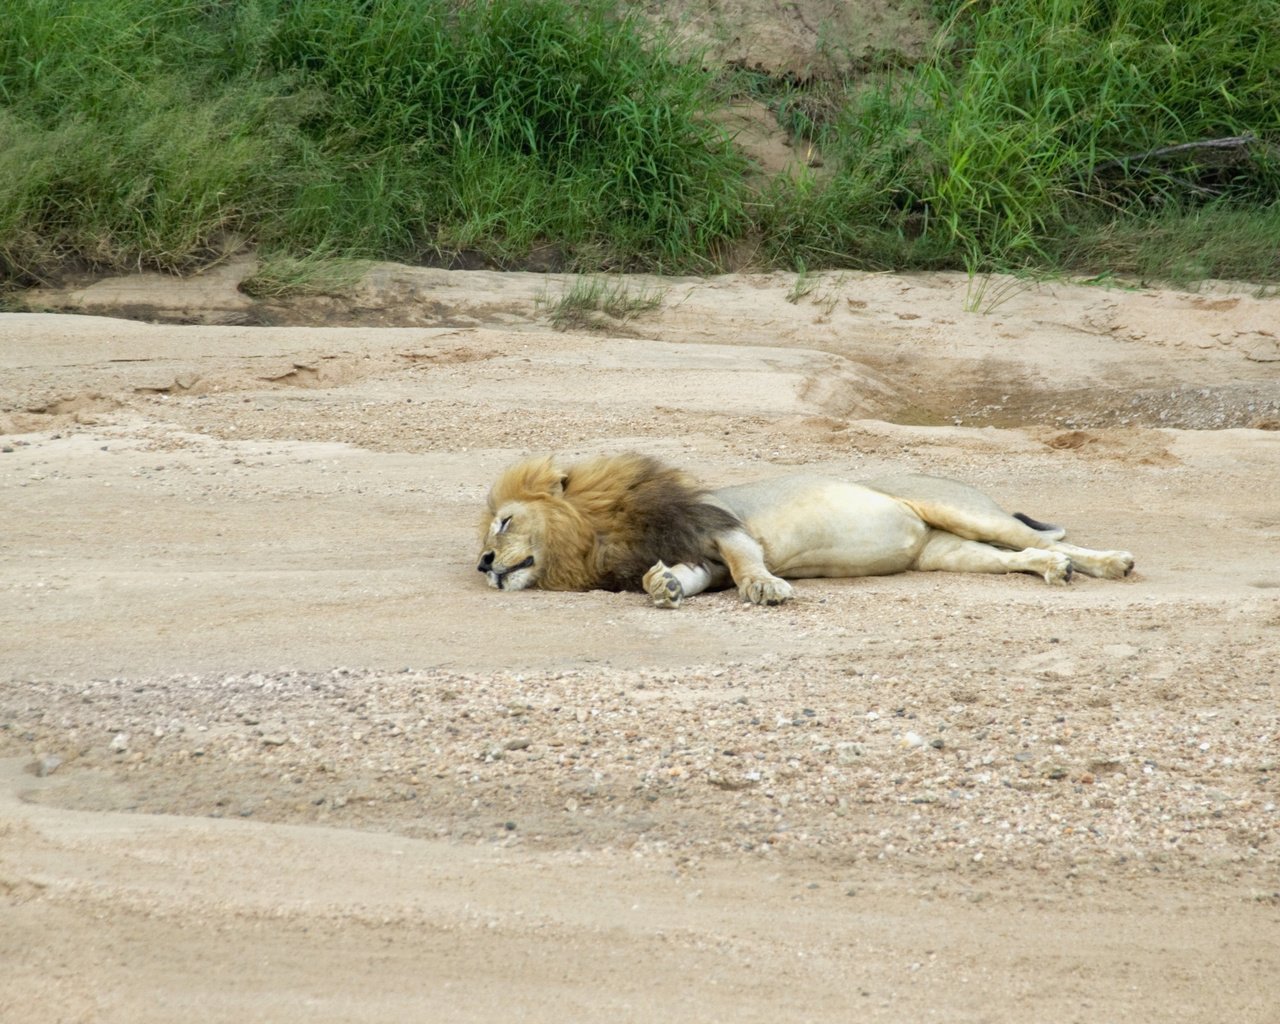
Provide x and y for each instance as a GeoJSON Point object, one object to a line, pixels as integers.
{"type": "Point", "coordinates": [511, 546]}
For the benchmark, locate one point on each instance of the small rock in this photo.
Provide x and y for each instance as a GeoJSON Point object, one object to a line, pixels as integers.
{"type": "Point", "coordinates": [730, 783]}
{"type": "Point", "coordinates": [120, 743]}
{"type": "Point", "coordinates": [520, 743]}
{"type": "Point", "coordinates": [47, 765]}
{"type": "Point", "coordinates": [274, 739]}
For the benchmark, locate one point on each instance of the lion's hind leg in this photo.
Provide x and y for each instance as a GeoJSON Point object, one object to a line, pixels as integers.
{"type": "Point", "coordinates": [945, 552]}
{"type": "Point", "coordinates": [1020, 533]}
{"type": "Point", "coordinates": [1107, 565]}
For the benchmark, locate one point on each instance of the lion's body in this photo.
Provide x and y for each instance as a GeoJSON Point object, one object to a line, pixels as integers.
{"type": "Point", "coordinates": [812, 526]}
{"type": "Point", "coordinates": [629, 522]}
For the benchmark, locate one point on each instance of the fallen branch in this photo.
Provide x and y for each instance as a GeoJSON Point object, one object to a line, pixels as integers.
{"type": "Point", "coordinates": [1229, 142]}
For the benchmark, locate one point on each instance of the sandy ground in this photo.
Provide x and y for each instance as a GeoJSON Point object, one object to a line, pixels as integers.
{"type": "Point", "coordinates": [275, 753]}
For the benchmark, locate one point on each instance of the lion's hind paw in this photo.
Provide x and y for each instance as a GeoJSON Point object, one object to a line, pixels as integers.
{"type": "Point", "coordinates": [1060, 569]}
{"type": "Point", "coordinates": [1116, 565]}
{"type": "Point", "coordinates": [663, 586]}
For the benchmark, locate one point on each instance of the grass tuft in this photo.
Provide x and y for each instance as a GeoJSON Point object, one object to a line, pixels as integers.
{"type": "Point", "coordinates": [592, 303]}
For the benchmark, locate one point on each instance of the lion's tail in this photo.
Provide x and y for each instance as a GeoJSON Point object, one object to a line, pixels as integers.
{"type": "Point", "coordinates": [1052, 532]}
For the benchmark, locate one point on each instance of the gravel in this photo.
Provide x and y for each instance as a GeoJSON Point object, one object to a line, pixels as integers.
{"type": "Point", "coordinates": [817, 758]}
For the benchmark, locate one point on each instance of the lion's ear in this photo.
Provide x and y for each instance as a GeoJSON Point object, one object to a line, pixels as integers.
{"type": "Point", "coordinates": [562, 484]}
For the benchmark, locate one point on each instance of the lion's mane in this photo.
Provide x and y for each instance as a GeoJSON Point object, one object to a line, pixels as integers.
{"type": "Point", "coordinates": [607, 520]}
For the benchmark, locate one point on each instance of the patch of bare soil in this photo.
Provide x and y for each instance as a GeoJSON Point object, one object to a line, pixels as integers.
{"type": "Point", "coordinates": [276, 753]}
{"type": "Point", "coordinates": [802, 39]}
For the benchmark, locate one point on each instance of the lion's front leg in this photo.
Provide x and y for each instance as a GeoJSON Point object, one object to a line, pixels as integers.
{"type": "Point", "coordinates": [768, 589]}
{"type": "Point", "coordinates": [668, 585]}
{"type": "Point", "coordinates": [744, 557]}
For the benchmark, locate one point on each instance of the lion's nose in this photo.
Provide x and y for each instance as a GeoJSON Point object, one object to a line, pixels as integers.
{"type": "Point", "coordinates": [486, 562]}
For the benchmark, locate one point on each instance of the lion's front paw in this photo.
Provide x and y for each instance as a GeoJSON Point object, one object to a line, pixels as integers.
{"type": "Point", "coordinates": [661, 584]}
{"type": "Point", "coordinates": [765, 590]}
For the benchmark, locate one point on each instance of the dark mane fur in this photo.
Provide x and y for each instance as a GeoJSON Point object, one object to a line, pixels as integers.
{"type": "Point", "coordinates": [659, 515]}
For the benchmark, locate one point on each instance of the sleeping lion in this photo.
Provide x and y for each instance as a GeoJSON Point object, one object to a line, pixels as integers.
{"type": "Point", "coordinates": [630, 522]}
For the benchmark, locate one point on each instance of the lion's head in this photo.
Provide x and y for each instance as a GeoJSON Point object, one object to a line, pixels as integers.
{"type": "Point", "coordinates": [531, 536]}
{"type": "Point", "coordinates": [600, 523]}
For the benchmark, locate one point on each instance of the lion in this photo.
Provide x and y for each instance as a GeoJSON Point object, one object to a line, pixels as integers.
{"type": "Point", "coordinates": [631, 522]}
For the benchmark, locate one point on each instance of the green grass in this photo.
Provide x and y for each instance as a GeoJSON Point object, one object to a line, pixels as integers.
{"type": "Point", "coordinates": [984, 293]}
{"type": "Point", "coordinates": [146, 133]}
{"type": "Point", "coordinates": [319, 273]}
{"type": "Point", "coordinates": [802, 286]}
{"type": "Point", "coordinates": [1051, 135]}
{"type": "Point", "coordinates": [122, 142]}
{"type": "Point", "coordinates": [594, 302]}
{"type": "Point", "coordinates": [1041, 128]}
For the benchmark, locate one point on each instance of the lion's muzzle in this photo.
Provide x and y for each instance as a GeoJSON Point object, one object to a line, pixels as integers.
{"type": "Point", "coordinates": [499, 577]}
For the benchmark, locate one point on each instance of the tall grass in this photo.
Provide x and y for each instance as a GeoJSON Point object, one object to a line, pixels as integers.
{"type": "Point", "coordinates": [1039, 125]}
{"type": "Point", "coordinates": [1055, 134]}
{"type": "Point", "coordinates": [495, 126]}
{"type": "Point", "coordinates": [148, 132]}
{"type": "Point", "coordinates": [122, 141]}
